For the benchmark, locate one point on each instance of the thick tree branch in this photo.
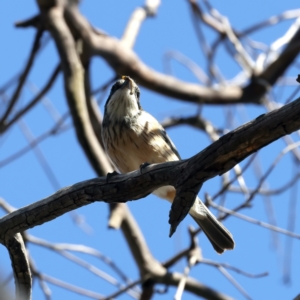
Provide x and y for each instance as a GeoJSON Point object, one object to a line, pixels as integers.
{"type": "Point", "coordinates": [233, 147]}
{"type": "Point", "coordinates": [214, 160]}
{"type": "Point", "coordinates": [74, 87]}
{"type": "Point", "coordinates": [19, 260]}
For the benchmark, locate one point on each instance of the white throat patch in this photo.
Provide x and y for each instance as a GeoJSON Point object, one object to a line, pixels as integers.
{"type": "Point", "coordinates": [122, 103]}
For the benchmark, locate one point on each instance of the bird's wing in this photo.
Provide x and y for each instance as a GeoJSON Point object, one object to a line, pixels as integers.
{"type": "Point", "coordinates": [156, 141]}
{"type": "Point", "coordinates": [140, 139]}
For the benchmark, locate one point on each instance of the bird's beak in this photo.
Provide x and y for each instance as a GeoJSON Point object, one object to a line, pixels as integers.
{"type": "Point", "coordinates": [129, 83]}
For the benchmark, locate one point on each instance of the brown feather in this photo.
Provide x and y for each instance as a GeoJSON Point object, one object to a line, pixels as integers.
{"type": "Point", "coordinates": [137, 144]}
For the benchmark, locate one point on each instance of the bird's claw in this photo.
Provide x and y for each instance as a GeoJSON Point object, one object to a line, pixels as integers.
{"type": "Point", "coordinates": [111, 175]}
{"type": "Point", "coordinates": [143, 166]}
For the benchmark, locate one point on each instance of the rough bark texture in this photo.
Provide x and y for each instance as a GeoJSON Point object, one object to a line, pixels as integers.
{"type": "Point", "coordinates": [215, 160]}
{"type": "Point", "coordinates": [19, 261]}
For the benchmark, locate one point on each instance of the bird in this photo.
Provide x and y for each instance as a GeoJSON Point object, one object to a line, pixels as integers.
{"type": "Point", "coordinates": [133, 137]}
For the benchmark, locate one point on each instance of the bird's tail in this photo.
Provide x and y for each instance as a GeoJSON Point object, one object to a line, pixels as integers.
{"type": "Point", "coordinates": [219, 236]}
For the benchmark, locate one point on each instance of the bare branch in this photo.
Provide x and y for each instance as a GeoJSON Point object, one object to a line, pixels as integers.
{"type": "Point", "coordinates": [216, 159]}
{"type": "Point", "coordinates": [23, 77]}
{"type": "Point", "coordinates": [253, 221]}
{"type": "Point", "coordinates": [80, 249]}
{"type": "Point", "coordinates": [267, 173]}
{"type": "Point", "coordinates": [224, 265]}
{"type": "Point", "coordinates": [74, 87]}
{"type": "Point", "coordinates": [275, 69]}
{"type": "Point", "coordinates": [122, 290]}
{"type": "Point", "coordinates": [269, 192]}
{"type": "Point", "coordinates": [125, 61]}
{"type": "Point", "coordinates": [176, 258]}
{"type": "Point", "coordinates": [138, 16]}
{"type": "Point", "coordinates": [34, 101]}
{"type": "Point", "coordinates": [37, 275]}
{"type": "Point", "coordinates": [9, 83]}
{"type": "Point", "coordinates": [194, 256]}
{"type": "Point", "coordinates": [242, 56]}
{"type": "Point", "coordinates": [207, 19]}
{"type": "Point", "coordinates": [70, 29]}
{"type": "Point", "coordinates": [147, 264]}
{"type": "Point", "coordinates": [71, 287]}
{"type": "Point", "coordinates": [98, 273]}
{"type": "Point", "coordinates": [192, 286]}
{"type": "Point", "coordinates": [40, 156]}
{"type": "Point", "coordinates": [188, 63]}
{"type": "Point", "coordinates": [18, 255]}
{"type": "Point", "coordinates": [34, 21]}
{"type": "Point", "coordinates": [56, 129]}
{"type": "Point", "coordinates": [289, 14]}
{"type": "Point", "coordinates": [76, 97]}
{"type": "Point", "coordinates": [234, 282]}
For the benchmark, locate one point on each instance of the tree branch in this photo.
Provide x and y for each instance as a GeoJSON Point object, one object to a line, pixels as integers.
{"type": "Point", "coordinates": [124, 61]}
{"type": "Point", "coordinates": [23, 76]}
{"type": "Point", "coordinates": [192, 285]}
{"type": "Point", "coordinates": [22, 274]}
{"type": "Point", "coordinates": [214, 160]}
{"type": "Point", "coordinates": [34, 101]}
{"type": "Point", "coordinates": [74, 87]}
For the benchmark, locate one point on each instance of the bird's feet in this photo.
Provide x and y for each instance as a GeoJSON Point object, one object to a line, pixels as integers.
{"type": "Point", "coordinates": [111, 175]}
{"type": "Point", "coordinates": [143, 166]}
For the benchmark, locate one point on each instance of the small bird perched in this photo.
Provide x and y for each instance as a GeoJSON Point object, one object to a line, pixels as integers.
{"type": "Point", "coordinates": [131, 137]}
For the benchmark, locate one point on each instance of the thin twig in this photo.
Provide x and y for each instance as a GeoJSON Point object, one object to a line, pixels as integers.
{"type": "Point", "coordinates": [71, 287]}
{"type": "Point", "coordinates": [58, 128]}
{"type": "Point", "coordinates": [188, 63]}
{"type": "Point", "coordinates": [292, 217]}
{"type": "Point", "coordinates": [227, 266]}
{"type": "Point", "coordinates": [234, 282]}
{"type": "Point", "coordinates": [251, 220]}
{"type": "Point", "coordinates": [228, 184]}
{"type": "Point", "coordinates": [40, 156]}
{"type": "Point", "coordinates": [9, 83]}
{"type": "Point", "coordinates": [80, 249]}
{"type": "Point", "coordinates": [269, 192]}
{"type": "Point", "coordinates": [23, 77]}
{"type": "Point", "coordinates": [37, 275]}
{"type": "Point", "coordinates": [35, 100]}
{"type": "Point", "coordinates": [123, 290]}
{"type": "Point", "coordinates": [289, 14]}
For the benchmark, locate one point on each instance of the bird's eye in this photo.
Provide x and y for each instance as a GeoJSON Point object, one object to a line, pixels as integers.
{"type": "Point", "coordinates": [116, 86]}
{"type": "Point", "coordinates": [113, 89]}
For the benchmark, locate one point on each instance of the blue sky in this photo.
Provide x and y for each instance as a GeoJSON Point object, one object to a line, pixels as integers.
{"type": "Point", "coordinates": [24, 181]}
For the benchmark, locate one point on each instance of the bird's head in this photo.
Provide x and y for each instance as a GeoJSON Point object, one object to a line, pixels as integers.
{"type": "Point", "coordinates": [124, 99]}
